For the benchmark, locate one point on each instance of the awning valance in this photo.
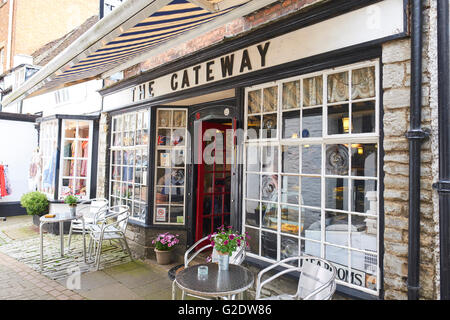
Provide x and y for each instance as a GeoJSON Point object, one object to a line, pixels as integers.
{"type": "Point", "coordinates": [135, 31]}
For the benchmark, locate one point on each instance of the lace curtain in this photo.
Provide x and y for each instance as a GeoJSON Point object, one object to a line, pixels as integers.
{"type": "Point", "coordinates": [363, 85]}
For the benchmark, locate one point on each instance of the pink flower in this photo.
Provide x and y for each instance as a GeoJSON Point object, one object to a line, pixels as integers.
{"type": "Point", "coordinates": [225, 242]}
{"type": "Point", "coordinates": [231, 236]}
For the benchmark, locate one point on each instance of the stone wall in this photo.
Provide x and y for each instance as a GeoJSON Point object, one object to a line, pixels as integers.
{"type": "Point", "coordinates": [103, 157]}
{"type": "Point", "coordinates": [396, 86]}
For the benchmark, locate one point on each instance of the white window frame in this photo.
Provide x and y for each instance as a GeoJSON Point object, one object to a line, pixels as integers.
{"type": "Point", "coordinates": [361, 138]}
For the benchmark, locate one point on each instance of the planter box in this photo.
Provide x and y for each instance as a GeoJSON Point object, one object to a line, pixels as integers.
{"type": "Point", "coordinates": [53, 228]}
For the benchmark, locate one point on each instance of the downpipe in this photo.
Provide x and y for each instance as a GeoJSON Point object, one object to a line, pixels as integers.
{"type": "Point", "coordinates": [416, 136]}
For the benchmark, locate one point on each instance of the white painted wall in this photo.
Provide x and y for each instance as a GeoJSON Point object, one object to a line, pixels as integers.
{"type": "Point", "coordinates": [83, 99]}
{"type": "Point", "coordinates": [18, 140]}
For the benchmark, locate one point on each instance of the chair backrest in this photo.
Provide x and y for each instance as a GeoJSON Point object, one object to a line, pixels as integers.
{"type": "Point", "coordinates": [316, 273]}
{"type": "Point", "coordinates": [121, 213]}
{"type": "Point", "coordinates": [97, 204]}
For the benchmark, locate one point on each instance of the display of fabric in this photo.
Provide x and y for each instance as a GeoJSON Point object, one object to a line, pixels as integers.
{"type": "Point", "coordinates": [5, 186]}
{"type": "Point", "coordinates": [49, 172]}
{"type": "Point", "coordinates": [35, 172]}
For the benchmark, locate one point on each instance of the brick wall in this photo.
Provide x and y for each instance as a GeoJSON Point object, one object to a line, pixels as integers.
{"type": "Point", "coordinates": [4, 13]}
{"type": "Point", "coordinates": [396, 85]}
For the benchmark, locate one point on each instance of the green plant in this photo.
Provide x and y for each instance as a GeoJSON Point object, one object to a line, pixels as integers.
{"type": "Point", "coordinates": [35, 203]}
{"type": "Point", "coordinates": [71, 200]}
{"type": "Point", "coordinates": [226, 241]}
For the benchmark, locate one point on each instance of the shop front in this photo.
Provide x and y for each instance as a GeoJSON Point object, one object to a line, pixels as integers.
{"type": "Point", "coordinates": [278, 134]}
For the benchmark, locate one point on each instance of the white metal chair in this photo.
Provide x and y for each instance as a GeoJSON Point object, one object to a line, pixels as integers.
{"type": "Point", "coordinates": [88, 209]}
{"type": "Point", "coordinates": [109, 224]}
{"type": "Point", "coordinates": [317, 280]}
{"type": "Point", "coordinates": [237, 258]}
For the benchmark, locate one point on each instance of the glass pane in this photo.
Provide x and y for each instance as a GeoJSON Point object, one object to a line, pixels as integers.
{"type": "Point", "coordinates": [269, 245]}
{"type": "Point", "coordinates": [164, 136]}
{"type": "Point", "coordinates": [178, 177]}
{"type": "Point", "coordinates": [269, 126]}
{"type": "Point", "coordinates": [179, 118]}
{"type": "Point", "coordinates": [253, 127]}
{"type": "Point", "coordinates": [270, 102]}
{"type": "Point", "coordinates": [83, 129]}
{"type": "Point", "coordinates": [336, 228]}
{"type": "Point", "coordinates": [67, 151]}
{"type": "Point", "coordinates": [178, 137]}
{"type": "Point", "coordinates": [178, 158]}
{"type": "Point", "coordinates": [338, 119]}
{"type": "Point", "coordinates": [339, 256]}
{"type": "Point", "coordinates": [164, 118]}
{"type": "Point", "coordinates": [253, 182]}
{"type": "Point", "coordinates": [253, 156]}
{"type": "Point", "coordinates": [337, 160]}
{"type": "Point", "coordinates": [70, 129]}
{"type": "Point", "coordinates": [163, 177]}
{"type": "Point", "coordinates": [289, 248]}
{"type": "Point", "coordinates": [291, 95]}
{"type": "Point", "coordinates": [252, 213]}
{"type": "Point", "coordinates": [269, 188]}
{"type": "Point", "coordinates": [176, 214]}
{"type": "Point", "coordinates": [336, 193]}
{"type": "Point", "coordinates": [83, 149]}
{"type": "Point", "coordinates": [311, 222]}
{"type": "Point", "coordinates": [290, 220]}
{"type": "Point", "coordinates": [312, 123]}
{"type": "Point", "coordinates": [290, 189]}
{"type": "Point", "coordinates": [177, 196]}
{"type": "Point", "coordinates": [338, 87]}
{"type": "Point", "coordinates": [270, 159]}
{"type": "Point", "coordinates": [82, 168]}
{"type": "Point", "coordinates": [363, 83]}
{"type": "Point", "coordinates": [364, 160]}
{"type": "Point", "coordinates": [254, 102]}
{"type": "Point", "coordinates": [312, 159]}
{"type": "Point", "coordinates": [291, 159]}
{"type": "Point", "coordinates": [311, 191]}
{"type": "Point", "coordinates": [80, 187]}
{"type": "Point", "coordinates": [363, 117]}
{"type": "Point", "coordinates": [68, 168]}
{"type": "Point", "coordinates": [253, 240]}
{"type": "Point", "coordinates": [313, 91]}
{"type": "Point", "coordinates": [291, 124]}
{"type": "Point", "coordinates": [364, 196]}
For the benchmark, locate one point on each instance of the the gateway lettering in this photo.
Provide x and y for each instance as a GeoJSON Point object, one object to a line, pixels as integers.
{"type": "Point", "coordinates": [227, 66]}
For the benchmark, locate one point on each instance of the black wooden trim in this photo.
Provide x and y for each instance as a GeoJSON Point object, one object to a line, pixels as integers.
{"type": "Point", "coordinates": [293, 22]}
{"type": "Point", "coordinates": [94, 160]}
{"type": "Point", "coordinates": [10, 209]}
{"type": "Point", "coordinates": [107, 172]}
{"type": "Point", "coordinates": [58, 160]}
{"type": "Point", "coordinates": [151, 168]}
{"type": "Point", "coordinates": [18, 117]}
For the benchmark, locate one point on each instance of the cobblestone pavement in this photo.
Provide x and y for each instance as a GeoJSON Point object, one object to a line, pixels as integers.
{"type": "Point", "coordinates": [20, 282]}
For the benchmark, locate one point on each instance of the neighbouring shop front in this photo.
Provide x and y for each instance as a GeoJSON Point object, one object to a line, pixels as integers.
{"type": "Point", "coordinates": [278, 133]}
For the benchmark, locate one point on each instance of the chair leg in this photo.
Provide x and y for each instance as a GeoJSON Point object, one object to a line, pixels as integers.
{"type": "Point", "coordinates": [91, 244]}
{"type": "Point", "coordinates": [70, 237]}
{"type": "Point", "coordinates": [99, 250]}
{"type": "Point", "coordinates": [128, 248]}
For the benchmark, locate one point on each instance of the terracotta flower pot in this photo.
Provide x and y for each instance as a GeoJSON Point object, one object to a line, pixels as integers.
{"type": "Point", "coordinates": [163, 257]}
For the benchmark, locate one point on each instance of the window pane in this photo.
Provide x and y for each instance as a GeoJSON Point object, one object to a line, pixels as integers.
{"type": "Point", "coordinates": [253, 182]}
{"type": "Point", "coordinates": [312, 159]}
{"type": "Point", "coordinates": [291, 159]}
{"type": "Point", "coordinates": [364, 160]}
{"type": "Point", "coordinates": [291, 95]}
{"type": "Point", "coordinates": [269, 213]}
{"type": "Point", "coordinates": [270, 102]}
{"type": "Point", "coordinates": [269, 188]}
{"type": "Point", "coordinates": [289, 248]}
{"type": "Point", "coordinates": [270, 126]}
{"type": "Point", "coordinates": [338, 87]}
{"type": "Point", "coordinates": [269, 245]}
{"type": "Point", "coordinates": [179, 118]}
{"type": "Point", "coordinates": [290, 189]}
{"type": "Point", "coordinates": [337, 160]}
{"type": "Point", "coordinates": [363, 117]}
{"type": "Point", "coordinates": [364, 196]}
{"type": "Point", "coordinates": [164, 118]}
{"type": "Point", "coordinates": [336, 193]}
{"type": "Point", "coordinates": [253, 240]}
{"type": "Point", "coordinates": [253, 156]}
{"type": "Point", "coordinates": [83, 130]}
{"type": "Point", "coordinates": [336, 228]}
{"type": "Point", "coordinates": [312, 123]}
{"type": "Point", "coordinates": [313, 91]}
{"type": "Point", "coordinates": [254, 102]}
{"type": "Point", "coordinates": [291, 124]}
{"type": "Point", "coordinates": [338, 119]}
{"type": "Point", "coordinates": [270, 159]}
{"type": "Point", "coordinates": [311, 191]}
{"type": "Point", "coordinates": [253, 127]}
{"type": "Point", "coordinates": [253, 213]}
{"type": "Point", "coordinates": [290, 220]}
{"type": "Point", "coordinates": [311, 219]}
{"type": "Point", "coordinates": [363, 83]}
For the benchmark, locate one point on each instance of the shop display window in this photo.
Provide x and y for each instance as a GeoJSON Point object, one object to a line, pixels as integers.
{"type": "Point", "coordinates": [170, 166]}
{"type": "Point", "coordinates": [75, 156]}
{"type": "Point", "coordinates": [311, 184]}
{"type": "Point", "coordinates": [129, 162]}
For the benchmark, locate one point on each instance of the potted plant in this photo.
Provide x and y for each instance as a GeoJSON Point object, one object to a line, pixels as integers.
{"type": "Point", "coordinates": [226, 241]}
{"type": "Point", "coordinates": [72, 202]}
{"type": "Point", "coordinates": [164, 245]}
{"type": "Point", "coordinates": [36, 204]}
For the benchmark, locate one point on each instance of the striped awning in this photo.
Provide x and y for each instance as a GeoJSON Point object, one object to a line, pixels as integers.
{"type": "Point", "coordinates": [132, 33]}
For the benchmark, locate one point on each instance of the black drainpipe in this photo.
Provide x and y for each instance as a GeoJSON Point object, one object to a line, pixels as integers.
{"type": "Point", "coordinates": [416, 136]}
{"type": "Point", "coordinates": [443, 186]}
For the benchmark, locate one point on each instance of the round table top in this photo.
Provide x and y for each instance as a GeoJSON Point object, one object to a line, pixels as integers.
{"type": "Point", "coordinates": [235, 280]}
{"type": "Point", "coordinates": [66, 216]}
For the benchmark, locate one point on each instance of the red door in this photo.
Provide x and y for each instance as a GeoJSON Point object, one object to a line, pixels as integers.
{"type": "Point", "coordinates": [213, 179]}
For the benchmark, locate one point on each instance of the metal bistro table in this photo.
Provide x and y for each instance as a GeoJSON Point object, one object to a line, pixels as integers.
{"type": "Point", "coordinates": [61, 218]}
{"type": "Point", "coordinates": [217, 283]}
